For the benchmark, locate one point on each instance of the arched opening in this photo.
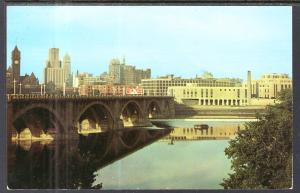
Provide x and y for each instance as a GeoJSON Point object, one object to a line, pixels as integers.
{"type": "Point", "coordinates": [95, 119]}
{"type": "Point", "coordinates": [131, 115]}
{"type": "Point", "coordinates": [153, 110]}
{"type": "Point", "coordinates": [38, 124]}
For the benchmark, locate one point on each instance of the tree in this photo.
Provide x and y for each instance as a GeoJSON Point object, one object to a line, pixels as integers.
{"type": "Point", "coordinates": [261, 155]}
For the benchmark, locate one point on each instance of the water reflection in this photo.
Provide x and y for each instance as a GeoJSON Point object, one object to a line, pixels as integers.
{"type": "Point", "coordinates": [73, 163]}
{"type": "Point", "coordinates": [202, 132]}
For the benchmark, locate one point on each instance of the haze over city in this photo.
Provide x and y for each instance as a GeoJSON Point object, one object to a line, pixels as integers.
{"type": "Point", "coordinates": [184, 41]}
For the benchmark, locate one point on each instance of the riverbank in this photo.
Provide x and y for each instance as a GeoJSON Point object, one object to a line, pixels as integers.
{"type": "Point", "coordinates": [217, 112]}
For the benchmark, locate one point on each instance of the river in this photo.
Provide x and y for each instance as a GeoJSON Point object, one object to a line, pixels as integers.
{"type": "Point", "coordinates": [135, 159]}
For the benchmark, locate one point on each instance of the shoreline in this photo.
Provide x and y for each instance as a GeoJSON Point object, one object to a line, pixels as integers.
{"type": "Point", "coordinates": [223, 119]}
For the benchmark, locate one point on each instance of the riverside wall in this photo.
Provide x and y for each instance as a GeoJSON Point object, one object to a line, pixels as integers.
{"type": "Point", "coordinates": [226, 112]}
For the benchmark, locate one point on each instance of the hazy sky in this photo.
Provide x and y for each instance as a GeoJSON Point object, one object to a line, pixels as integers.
{"type": "Point", "coordinates": [184, 41]}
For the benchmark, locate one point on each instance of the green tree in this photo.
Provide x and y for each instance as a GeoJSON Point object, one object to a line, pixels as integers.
{"type": "Point", "coordinates": [261, 155]}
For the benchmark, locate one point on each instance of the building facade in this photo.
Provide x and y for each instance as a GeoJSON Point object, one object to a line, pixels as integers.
{"type": "Point", "coordinates": [269, 85]}
{"type": "Point", "coordinates": [110, 90]}
{"type": "Point", "coordinates": [54, 72]}
{"type": "Point", "coordinates": [126, 74]}
{"type": "Point", "coordinates": [192, 94]}
{"type": "Point", "coordinates": [159, 86]}
{"type": "Point", "coordinates": [30, 84]}
{"type": "Point", "coordinates": [67, 70]}
{"type": "Point", "coordinates": [114, 71]}
{"type": "Point", "coordinates": [87, 79]}
{"type": "Point", "coordinates": [9, 80]}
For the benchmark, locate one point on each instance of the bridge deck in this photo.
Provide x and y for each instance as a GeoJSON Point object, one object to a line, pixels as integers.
{"type": "Point", "coordinates": [11, 97]}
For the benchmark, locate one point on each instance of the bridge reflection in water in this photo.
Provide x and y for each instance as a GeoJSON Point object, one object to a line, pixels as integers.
{"type": "Point", "coordinates": [72, 164]}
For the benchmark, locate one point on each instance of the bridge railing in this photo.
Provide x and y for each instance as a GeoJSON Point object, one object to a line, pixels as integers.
{"type": "Point", "coordinates": [74, 96]}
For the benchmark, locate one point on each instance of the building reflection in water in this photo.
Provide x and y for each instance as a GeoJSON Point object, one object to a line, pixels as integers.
{"type": "Point", "coordinates": [72, 164]}
{"type": "Point", "coordinates": [204, 132]}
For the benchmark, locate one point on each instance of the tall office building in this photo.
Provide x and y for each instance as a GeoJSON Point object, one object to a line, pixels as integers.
{"type": "Point", "coordinates": [67, 69]}
{"type": "Point", "coordinates": [16, 64]}
{"type": "Point", "coordinates": [115, 70]}
{"type": "Point", "coordinates": [127, 74]}
{"type": "Point", "coordinates": [53, 71]}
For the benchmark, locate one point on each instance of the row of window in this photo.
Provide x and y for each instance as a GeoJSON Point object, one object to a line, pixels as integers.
{"type": "Point", "coordinates": [222, 102]}
{"type": "Point", "coordinates": [191, 93]}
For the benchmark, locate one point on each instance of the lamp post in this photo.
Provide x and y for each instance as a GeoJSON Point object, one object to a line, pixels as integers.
{"type": "Point", "coordinates": [44, 89]}
{"type": "Point", "coordinates": [41, 89]}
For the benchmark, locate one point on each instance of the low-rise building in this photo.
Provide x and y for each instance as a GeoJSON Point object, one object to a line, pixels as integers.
{"type": "Point", "coordinates": [159, 86]}
{"type": "Point", "coordinates": [109, 90]}
{"type": "Point", "coordinates": [192, 94]}
{"type": "Point", "coordinates": [87, 79]}
{"type": "Point", "coordinates": [269, 85]}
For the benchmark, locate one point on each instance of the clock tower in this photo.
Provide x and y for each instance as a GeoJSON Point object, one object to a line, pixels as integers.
{"type": "Point", "coordinates": [16, 64]}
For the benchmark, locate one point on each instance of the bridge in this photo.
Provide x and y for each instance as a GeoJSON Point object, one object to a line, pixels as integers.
{"type": "Point", "coordinates": [66, 115]}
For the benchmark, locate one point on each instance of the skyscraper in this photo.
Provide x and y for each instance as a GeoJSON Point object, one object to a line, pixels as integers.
{"type": "Point", "coordinates": [115, 71]}
{"type": "Point", "coordinates": [16, 64]}
{"type": "Point", "coordinates": [67, 69]}
{"type": "Point", "coordinates": [53, 71]}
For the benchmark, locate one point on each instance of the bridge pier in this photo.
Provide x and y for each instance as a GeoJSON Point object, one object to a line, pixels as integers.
{"type": "Point", "coordinates": [71, 133]}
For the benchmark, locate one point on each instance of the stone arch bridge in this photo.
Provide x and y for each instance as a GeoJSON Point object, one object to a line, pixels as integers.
{"type": "Point", "coordinates": [67, 115]}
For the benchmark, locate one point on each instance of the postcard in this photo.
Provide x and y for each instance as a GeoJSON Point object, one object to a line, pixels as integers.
{"type": "Point", "coordinates": [149, 97]}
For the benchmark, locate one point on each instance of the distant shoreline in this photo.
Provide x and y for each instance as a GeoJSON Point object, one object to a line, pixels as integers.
{"type": "Point", "coordinates": [208, 119]}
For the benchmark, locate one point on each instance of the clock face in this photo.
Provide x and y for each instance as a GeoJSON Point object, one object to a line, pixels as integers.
{"type": "Point", "coordinates": [16, 62]}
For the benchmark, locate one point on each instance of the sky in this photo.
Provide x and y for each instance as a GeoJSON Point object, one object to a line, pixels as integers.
{"type": "Point", "coordinates": [180, 40]}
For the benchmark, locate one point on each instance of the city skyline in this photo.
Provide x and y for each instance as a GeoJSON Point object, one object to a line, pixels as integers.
{"type": "Point", "coordinates": [257, 50]}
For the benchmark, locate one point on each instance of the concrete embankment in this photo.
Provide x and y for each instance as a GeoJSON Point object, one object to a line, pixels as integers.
{"type": "Point", "coordinates": [212, 112]}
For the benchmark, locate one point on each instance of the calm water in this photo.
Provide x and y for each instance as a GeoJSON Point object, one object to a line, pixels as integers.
{"type": "Point", "coordinates": [199, 164]}
{"type": "Point", "coordinates": [184, 165]}
{"type": "Point", "coordinates": [132, 159]}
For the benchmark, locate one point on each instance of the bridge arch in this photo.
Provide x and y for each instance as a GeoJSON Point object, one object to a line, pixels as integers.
{"type": "Point", "coordinates": [38, 118]}
{"type": "Point", "coordinates": [98, 115]}
{"type": "Point", "coordinates": [153, 109]}
{"type": "Point", "coordinates": [131, 114]}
